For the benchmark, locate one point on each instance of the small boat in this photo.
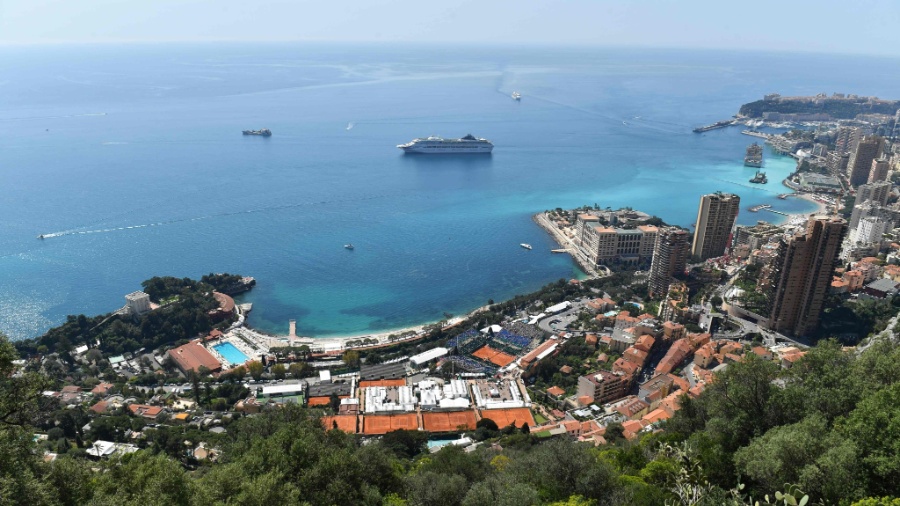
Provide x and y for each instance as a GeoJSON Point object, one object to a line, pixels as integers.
{"type": "Point", "coordinates": [265, 132]}
{"type": "Point", "coordinates": [525, 245]}
{"type": "Point", "coordinates": [516, 96]}
{"type": "Point", "coordinates": [760, 178]}
{"type": "Point", "coordinates": [41, 236]}
{"type": "Point", "coordinates": [348, 246]}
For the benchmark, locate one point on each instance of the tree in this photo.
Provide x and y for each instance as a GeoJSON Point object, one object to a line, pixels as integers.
{"type": "Point", "coordinates": [279, 371]}
{"type": "Point", "coordinates": [807, 453]}
{"type": "Point", "coordinates": [351, 358]}
{"type": "Point", "coordinates": [301, 370]}
{"type": "Point", "coordinates": [21, 402]}
{"type": "Point", "coordinates": [406, 443]}
{"type": "Point", "coordinates": [256, 369]}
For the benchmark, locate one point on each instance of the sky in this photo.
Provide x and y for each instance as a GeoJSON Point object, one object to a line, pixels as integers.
{"type": "Point", "coordinates": [859, 26]}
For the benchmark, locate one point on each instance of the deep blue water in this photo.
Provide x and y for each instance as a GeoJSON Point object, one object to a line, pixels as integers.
{"type": "Point", "coordinates": [97, 139]}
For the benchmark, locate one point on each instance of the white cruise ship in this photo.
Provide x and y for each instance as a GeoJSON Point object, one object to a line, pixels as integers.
{"type": "Point", "coordinates": [467, 144]}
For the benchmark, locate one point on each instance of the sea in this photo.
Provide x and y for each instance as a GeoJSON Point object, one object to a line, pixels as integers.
{"type": "Point", "coordinates": [129, 160]}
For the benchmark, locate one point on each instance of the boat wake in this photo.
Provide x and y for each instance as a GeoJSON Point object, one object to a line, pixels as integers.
{"type": "Point", "coordinates": [24, 118]}
{"type": "Point", "coordinates": [73, 232]}
{"type": "Point", "coordinates": [350, 126]}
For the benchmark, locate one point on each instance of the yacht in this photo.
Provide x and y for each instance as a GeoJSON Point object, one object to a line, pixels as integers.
{"type": "Point", "coordinates": [516, 96]}
{"type": "Point", "coordinates": [348, 246]}
{"type": "Point", "coordinates": [265, 132]}
{"type": "Point", "coordinates": [525, 245]}
{"type": "Point", "coordinates": [754, 156]}
{"type": "Point", "coordinates": [435, 145]}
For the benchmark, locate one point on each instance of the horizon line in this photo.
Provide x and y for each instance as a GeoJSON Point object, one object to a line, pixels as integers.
{"type": "Point", "coordinates": [385, 42]}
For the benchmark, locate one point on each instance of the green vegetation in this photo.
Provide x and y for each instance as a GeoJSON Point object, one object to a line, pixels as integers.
{"type": "Point", "coordinates": [185, 317]}
{"type": "Point", "coordinates": [852, 320]}
{"type": "Point", "coordinates": [827, 426]}
{"type": "Point", "coordinates": [838, 109]}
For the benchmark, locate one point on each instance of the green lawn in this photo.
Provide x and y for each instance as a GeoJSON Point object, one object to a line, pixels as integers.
{"type": "Point", "coordinates": [539, 418]}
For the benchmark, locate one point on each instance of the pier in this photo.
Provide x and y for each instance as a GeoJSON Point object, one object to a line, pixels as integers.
{"type": "Point", "coordinates": [754, 133]}
{"type": "Point", "coordinates": [774, 211]}
{"type": "Point", "coordinates": [717, 124]}
{"type": "Point", "coordinates": [563, 250]}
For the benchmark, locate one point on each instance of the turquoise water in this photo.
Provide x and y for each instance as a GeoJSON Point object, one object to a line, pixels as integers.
{"type": "Point", "coordinates": [130, 159]}
{"type": "Point", "coordinates": [231, 353]}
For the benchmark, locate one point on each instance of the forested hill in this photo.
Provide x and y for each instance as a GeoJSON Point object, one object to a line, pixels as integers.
{"type": "Point", "coordinates": [183, 313]}
{"type": "Point", "coordinates": [828, 427]}
{"type": "Point", "coordinates": [836, 108]}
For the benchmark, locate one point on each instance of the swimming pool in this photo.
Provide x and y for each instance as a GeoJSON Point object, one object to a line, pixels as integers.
{"type": "Point", "coordinates": [231, 353]}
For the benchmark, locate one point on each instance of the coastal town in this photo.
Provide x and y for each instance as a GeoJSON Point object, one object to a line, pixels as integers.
{"type": "Point", "coordinates": [603, 360]}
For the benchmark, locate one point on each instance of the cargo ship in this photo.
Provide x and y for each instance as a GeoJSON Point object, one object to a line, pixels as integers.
{"type": "Point", "coordinates": [265, 132]}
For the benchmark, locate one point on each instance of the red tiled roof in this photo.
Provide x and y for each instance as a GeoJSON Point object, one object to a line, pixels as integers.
{"type": "Point", "coordinates": [102, 388]}
{"type": "Point", "coordinates": [191, 356]}
{"type": "Point", "coordinates": [226, 303]}
{"type": "Point", "coordinates": [144, 410]}
{"type": "Point", "coordinates": [554, 390]}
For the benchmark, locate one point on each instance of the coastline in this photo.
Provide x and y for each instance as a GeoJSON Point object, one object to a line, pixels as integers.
{"type": "Point", "coordinates": [339, 343]}
{"type": "Point", "coordinates": [564, 242]}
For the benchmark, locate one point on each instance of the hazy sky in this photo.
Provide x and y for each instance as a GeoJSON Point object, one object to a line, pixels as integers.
{"type": "Point", "coordinates": [858, 26]}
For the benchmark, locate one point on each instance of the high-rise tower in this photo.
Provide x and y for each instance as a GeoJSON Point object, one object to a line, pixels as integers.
{"type": "Point", "coordinates": [715, 219]}
{"type": "Point", "coordinates": [860, 164]}
{"type": "Point", "coordinates": [669, 258]}
{"type": "Point", "coordinates": [802, 275]}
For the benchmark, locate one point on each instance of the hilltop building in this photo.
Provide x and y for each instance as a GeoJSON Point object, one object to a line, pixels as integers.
{"type": "Point", "coordinates": [137, 303]}
{"type": "Point", "coordinates": [715, 219]}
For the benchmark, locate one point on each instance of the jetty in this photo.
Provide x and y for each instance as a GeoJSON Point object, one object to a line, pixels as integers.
{"type": "Point", "coordinates": [717, 124]}
{"type": "Point", "coordinates": [754, 133]}
{"type": "Point", "coordinates": [562, 250]}
{"type": "Point", "coordinates": [580, 258]}
{"type": "Point", "coordinates": [759, 207]}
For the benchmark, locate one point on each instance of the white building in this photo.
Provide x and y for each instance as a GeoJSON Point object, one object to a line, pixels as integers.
{"type": "Point", "coordinates": [427, 356]}
{"type": "Point", "coordinates": [499, 395]}
{"type": "Point", "coordinates": [453, 394]}
{"type": "Point", "coordinates": [137, 302]}
{"type": "Point", "coordinates": [388, 399]}
{"type": "Point", "coordinates": [871, 229]}
{"type": "Point", "coordinates": [558, 308]}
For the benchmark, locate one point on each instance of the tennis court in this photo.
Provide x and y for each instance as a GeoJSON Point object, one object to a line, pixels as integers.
{"type": "Point", "coordinates": [505, 417]}
{"type": "Point", "coordinates": [493, 356]}
{"type": "Point", "coordinates": [449, 421]}
{"type": "Point", "coordinates": [383, 383]}
{"type": "Point", "coordinates": [382, 424]}
{"type": "Point", "coordinates": [346, 423]}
